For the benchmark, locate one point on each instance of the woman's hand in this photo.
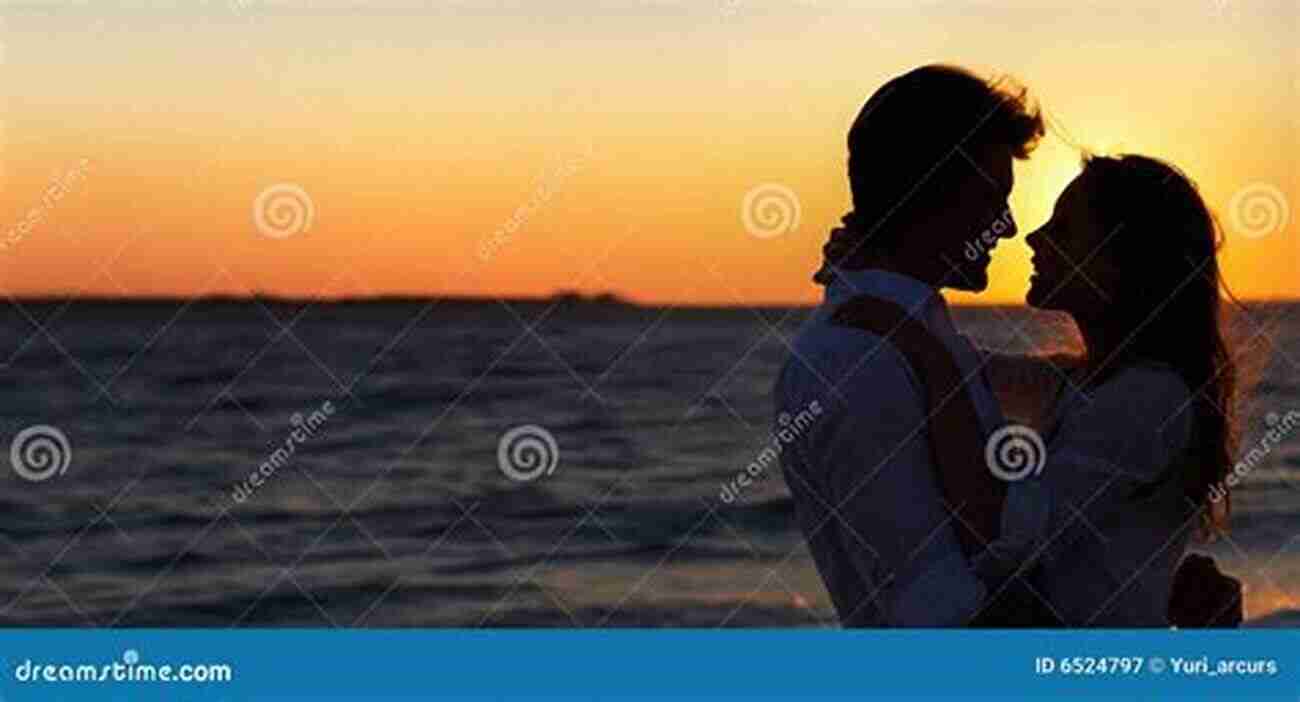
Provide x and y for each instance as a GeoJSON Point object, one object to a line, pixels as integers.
{"type": "Point", "coordinates": [1027, 386]}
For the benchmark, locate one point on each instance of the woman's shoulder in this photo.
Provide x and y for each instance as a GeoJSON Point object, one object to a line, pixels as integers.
{"type": "Point", "coordinates": [1150, 399]}
{"type": "Point", "coordinates": [1147, 383]}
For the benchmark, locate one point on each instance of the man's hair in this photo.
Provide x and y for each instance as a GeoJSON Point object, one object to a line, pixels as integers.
{"type": "Point", "coordinates": [912, 139]}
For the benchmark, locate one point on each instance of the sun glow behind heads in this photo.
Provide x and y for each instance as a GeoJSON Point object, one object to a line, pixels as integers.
{"type": "Point", "coordinates": [605, 149]}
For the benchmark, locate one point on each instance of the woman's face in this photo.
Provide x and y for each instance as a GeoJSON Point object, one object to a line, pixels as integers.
{"type": "Point", "coordinates": [1073, 270]}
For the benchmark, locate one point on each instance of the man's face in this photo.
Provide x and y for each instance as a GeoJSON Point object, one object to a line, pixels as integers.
{"type": "Point", "coordinates": [977, 217]}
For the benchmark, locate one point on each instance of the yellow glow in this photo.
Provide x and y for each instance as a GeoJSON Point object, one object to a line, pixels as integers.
{"type": "Point", "coordinates": [616, 146]}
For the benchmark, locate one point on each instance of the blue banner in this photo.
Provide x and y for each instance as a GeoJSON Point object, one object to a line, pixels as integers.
{"type": "Point", "coordinates": [181, 665]}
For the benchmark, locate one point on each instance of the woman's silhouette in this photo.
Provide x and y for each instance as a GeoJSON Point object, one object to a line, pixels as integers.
{"type": "Point", "coordinates": [1141, 426]}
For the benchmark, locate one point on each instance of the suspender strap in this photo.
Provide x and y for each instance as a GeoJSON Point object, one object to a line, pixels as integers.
{"type": "Point", "coordinates": [972, 493]}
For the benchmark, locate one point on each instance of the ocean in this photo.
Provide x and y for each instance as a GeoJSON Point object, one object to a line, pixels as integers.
{"type": "Point", "coordinates": [243, 463]}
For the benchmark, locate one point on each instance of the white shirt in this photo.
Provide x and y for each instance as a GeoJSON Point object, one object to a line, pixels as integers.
{"type": "Point", "coordinates": [862, 476]}
{"type": "Point", "coordinates": [867, 500]}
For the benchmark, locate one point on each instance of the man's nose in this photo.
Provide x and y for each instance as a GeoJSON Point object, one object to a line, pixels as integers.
{"type": "Point", "coordinates": [1011, 230]}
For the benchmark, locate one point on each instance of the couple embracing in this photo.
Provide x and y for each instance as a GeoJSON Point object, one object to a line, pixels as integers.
{"type": "Point", "coordinates": [903, 489]}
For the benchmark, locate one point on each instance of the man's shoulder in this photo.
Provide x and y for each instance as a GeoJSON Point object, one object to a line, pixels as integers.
{"type": "Point", "coordinates": [828, 352]}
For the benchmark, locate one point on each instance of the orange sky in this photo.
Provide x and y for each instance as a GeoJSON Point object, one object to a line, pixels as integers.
{"type": "Point", "coordinates": [488, 149]}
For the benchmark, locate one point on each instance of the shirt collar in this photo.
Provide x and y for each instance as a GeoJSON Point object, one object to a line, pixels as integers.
{"type": "Point", "coordinates": [920, 300]}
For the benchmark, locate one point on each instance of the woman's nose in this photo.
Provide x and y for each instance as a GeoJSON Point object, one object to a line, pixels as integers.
{"type": "Point", "coordinates": [1035, 237]}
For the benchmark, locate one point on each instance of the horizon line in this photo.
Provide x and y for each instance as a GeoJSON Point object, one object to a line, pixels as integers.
{"type": "Point", "coordinates": [593, 299]}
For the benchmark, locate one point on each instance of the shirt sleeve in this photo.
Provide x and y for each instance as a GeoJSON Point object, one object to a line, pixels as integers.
{"type": "Point", "coordinates": [892, 518]}
{"type": "Point", "coordinates": [1109, 445]}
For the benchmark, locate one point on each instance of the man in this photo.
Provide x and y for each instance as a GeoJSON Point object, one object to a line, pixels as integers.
{"type": "Point", "coordinates": [930, 169]}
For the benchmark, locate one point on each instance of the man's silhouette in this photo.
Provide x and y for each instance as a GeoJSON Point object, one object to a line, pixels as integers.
{"type": "Point", "coordinates": [930, 168]}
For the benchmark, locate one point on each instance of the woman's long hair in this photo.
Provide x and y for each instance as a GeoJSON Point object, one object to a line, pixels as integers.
{"type": "Point", "coordinates": [1166, 242]}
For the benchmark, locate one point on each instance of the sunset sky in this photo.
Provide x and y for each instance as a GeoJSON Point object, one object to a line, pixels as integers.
{"type": "Point", "coordinates": [518, 148]}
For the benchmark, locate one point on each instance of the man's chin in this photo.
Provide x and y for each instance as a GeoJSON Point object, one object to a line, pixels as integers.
{"type": "Point", "coordinates": [975, 281]}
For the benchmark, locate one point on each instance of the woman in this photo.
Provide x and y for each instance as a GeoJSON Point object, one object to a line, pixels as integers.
{"type": "Point", "coordinates": [1140, 427]}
